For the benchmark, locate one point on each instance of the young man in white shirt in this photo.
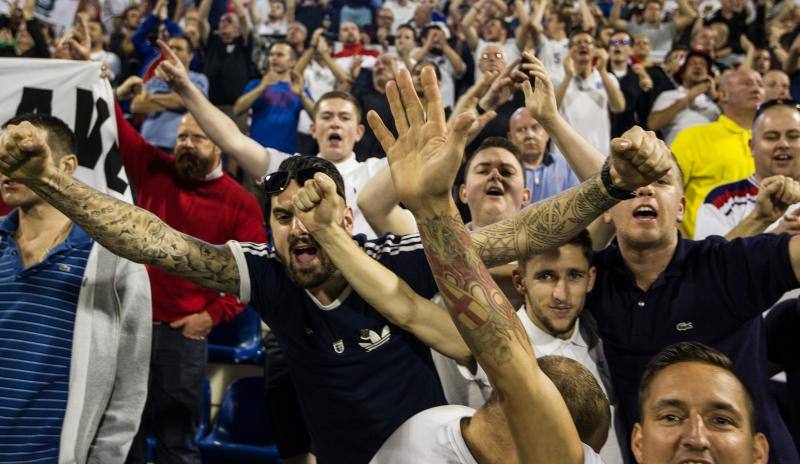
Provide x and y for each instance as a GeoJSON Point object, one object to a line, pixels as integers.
{"type": "Point", "coordinates": [588, 92]}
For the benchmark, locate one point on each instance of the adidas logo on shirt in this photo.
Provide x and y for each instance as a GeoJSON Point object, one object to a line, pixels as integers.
{"type": "Point", "coordinates": [372, 340]}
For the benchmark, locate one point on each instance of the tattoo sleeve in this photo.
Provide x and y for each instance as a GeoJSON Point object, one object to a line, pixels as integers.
{"type": "Point", "coordinates": [482, 314]}
{"type": "Point", "coordinates": [546, 224]}
{"type": "Point", "coordinates": [140, 236]}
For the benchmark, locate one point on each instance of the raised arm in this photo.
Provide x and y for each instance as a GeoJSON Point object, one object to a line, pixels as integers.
{"type": "Point", "coordinates": [127, 231]}
{"type": "Point", "coordinates": [380, 206]}
{"type": "Point", "coordinates": [424, 161]}
{"type": "Point", "coordinates": [252, 157]}
{"type": "Point", "coordinates": [687, 17]}
{"type": "Point", "coordinates": [468, 24]}
{"type": "Point", "coordinates": [614, 18]}
{"type": "Point", "coordinates": [316, 205]}
{"type": "Point", "coordinates": [637, 159]}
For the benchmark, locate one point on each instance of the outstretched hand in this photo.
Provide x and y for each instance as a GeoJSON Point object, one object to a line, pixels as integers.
{"type": "Point", "coordinates": [638, 158]}
{"type": "Point", "coordinates": [425, 157]}
{"type": "Point", "coordinates": [317, 204]}
{"type": "Point", "coordinates": [540, 97]}
{"type": "Point", "coordinates": [24, 153]}
{"type": "Point", "coordinates": [172, 71]}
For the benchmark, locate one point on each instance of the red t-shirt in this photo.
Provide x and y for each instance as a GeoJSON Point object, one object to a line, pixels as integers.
{"type": "Point", "coordinates": [215, 211]}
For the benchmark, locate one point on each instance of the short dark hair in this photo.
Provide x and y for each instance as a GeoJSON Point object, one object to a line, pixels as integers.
{"type": "Point", "coordinates": [295, 163]}
{"type": "Point", "coordinates": [340, 95]}
{"type": "Point", "coordinates": [410, 28]}
{"type": "Point", "coordinates": [186, 39]}
{"type": "Point", "coordinates": [60, 138]}
{"type": "Point", "coordinates": [578, 31]}
{"type": "Point", "coordinates": [283, 42]}
{"type": "Point", "coordinates": [583, 241]}
{"type": "Point", "coordinates": [695, 352]}
{"type": "Point", "coordinates": [495, 142]}
{"type": "Point", "coordinates": [585, 399]}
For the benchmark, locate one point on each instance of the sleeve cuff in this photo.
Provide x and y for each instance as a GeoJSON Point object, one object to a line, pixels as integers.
{"type": "Point", "coordinates": [244, 274]}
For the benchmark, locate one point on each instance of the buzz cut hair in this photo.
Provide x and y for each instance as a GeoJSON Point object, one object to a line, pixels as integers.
{"type": "Point", "coordinates": [60, 138]}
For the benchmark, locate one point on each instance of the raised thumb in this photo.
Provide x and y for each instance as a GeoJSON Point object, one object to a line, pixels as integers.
{"type": "Point", "coordinates": [619, 145]}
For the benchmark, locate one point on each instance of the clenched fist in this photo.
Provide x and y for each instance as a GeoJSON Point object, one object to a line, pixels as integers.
{"type": "Point", "coordinates": [24, 153]}
{"type": "Point", "coordinates": [638, 158]}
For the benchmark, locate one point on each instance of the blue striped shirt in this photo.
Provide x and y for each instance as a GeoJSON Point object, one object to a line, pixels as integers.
{"type": "Point", "coordinates": [37, 317]}
{"type": "Point", "coordinates": [551, 177]}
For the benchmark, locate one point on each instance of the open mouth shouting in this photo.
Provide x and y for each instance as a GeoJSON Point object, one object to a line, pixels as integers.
{"type": "Point", "coordinates": [304, 254]}
{"type": "Point", "coordinates": [645, 214]}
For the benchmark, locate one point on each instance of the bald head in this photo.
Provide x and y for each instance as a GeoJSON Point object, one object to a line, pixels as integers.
{"type": "Point", "coordinates": [741, 91]}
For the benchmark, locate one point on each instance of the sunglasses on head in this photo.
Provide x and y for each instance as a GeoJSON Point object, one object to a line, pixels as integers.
{"type": "Point", "coordinates": [777, 102]}
{"type": "Point", "coordinates": [276, 182]}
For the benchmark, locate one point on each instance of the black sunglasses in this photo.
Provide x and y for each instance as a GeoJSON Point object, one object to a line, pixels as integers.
{"type": "Point", "coordinates": [777, 102]}
{"type": "Point", "coordinates": [276, 182]}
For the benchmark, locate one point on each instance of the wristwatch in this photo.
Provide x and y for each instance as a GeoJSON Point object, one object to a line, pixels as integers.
{"type": "Point", "coordinates": [615, 192]}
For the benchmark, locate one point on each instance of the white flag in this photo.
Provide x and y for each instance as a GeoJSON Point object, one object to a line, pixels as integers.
{"type": "Point", "coordinates": [74, 92]}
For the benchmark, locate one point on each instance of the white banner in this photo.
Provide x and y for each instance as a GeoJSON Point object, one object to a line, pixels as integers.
{"type": "Point", "coordinates": [57, 12]}
{"type": "Point", "coordinates": [74, 92]}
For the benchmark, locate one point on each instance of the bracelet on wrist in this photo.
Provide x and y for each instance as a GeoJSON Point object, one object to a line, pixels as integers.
{"type": "Point", "coordinates": [613, 191]}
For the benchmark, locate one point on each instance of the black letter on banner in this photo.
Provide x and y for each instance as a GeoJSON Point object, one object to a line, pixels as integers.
{"type": "Point", "coordinates": [90, 144]}
{"type": "Point", "coordinates": [113, 165]}
{"type": "Point", "coordinates": [35, 101]}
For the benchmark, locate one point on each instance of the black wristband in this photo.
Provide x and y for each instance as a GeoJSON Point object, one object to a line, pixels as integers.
{"type": "Point", "coordinates": [618, 193]}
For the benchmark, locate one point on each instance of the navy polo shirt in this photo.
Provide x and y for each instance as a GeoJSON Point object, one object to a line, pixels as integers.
{"type": "Point", "coordinates": [713, 291]}
{"type": "Point", "coordinates": [358, 376]}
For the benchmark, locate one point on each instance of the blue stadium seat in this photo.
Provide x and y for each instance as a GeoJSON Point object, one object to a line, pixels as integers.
{"type": "Point", "coordinates": [205, 419]}
{"type": "Point", "coordinates": [241, 433]}
{"type": "Point", "coordinates": [237, 341]}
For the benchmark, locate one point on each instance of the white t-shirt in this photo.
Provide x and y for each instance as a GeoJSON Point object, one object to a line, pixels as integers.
{"type": "Point", "coordinates": [434, 436]}
{"type": "Point", "coordinates": [272, 29]}
{"type": "Point", "coordinates": [552, 53]}
{"type": "Point", "coordinates": [462, 387]}
{"type": "Point", "coordinates": [702, 110]}
{"type": "Point", "coordinates": [402, 14]}
{"type": "Point", "coordinates": [319, 80]}
{"type": "Point", "coordinates": [728, 205]}
{"type": "Point", "coordinates": [356, 175]}
{"type": "Point", "coordinates": [510, 52]}
{"type": "Point", "coordinates": [585, 107]}
{"type": "Point", "coordinates": [447, 86]}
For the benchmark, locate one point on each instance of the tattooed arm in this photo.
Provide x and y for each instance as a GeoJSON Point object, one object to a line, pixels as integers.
{"type": "Point", "coordinates": [424, 160]}
{"type": "Point", "coordinates": [127, 231]}
{"type": "Point", "coordinates": [546, 224]}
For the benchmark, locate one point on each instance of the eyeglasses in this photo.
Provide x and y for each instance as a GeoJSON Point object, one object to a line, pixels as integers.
{"type": "Point", "coordinates": [777, 102]}
{"type": "Point", "coordinates": [277, 181]}
{"type": "Point", "coordinates": [489, 56]}
{"type": "Point", "coordinates": [582, 42]}
{"type": "Point", "coordinates": [620, 42]}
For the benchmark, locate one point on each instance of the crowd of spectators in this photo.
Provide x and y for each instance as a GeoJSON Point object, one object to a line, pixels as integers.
{"type": "Point", "coordinates": [263, 80]}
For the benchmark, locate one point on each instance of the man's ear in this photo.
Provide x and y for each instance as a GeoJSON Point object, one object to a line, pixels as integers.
{"type": "Point", "coordinates": [68, 164]}
{"type": "Point", "coordinates": [348, 220]}
{"type": "Point", "coordinates": [462, 193]}
{"type": "Point", "coordinates": [760, 448]}
{"type": "Point", "coordinates": [636, 442]}
{"type": "Point", "coordinates": [360, 132]}
{"type": "Point", "coordinates": [519, 282]}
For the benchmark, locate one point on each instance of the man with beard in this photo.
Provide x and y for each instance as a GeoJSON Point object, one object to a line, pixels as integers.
{"type": "Point", "coordinates": [190, 192]}
{"type": "Point", "coordinates": [358, 377]}
{"type": "Point", "coordinates": [336, 128]}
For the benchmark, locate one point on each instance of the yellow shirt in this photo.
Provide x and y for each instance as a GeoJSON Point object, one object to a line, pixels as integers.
{"type": "Point", "coordinates": [710, 155]}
